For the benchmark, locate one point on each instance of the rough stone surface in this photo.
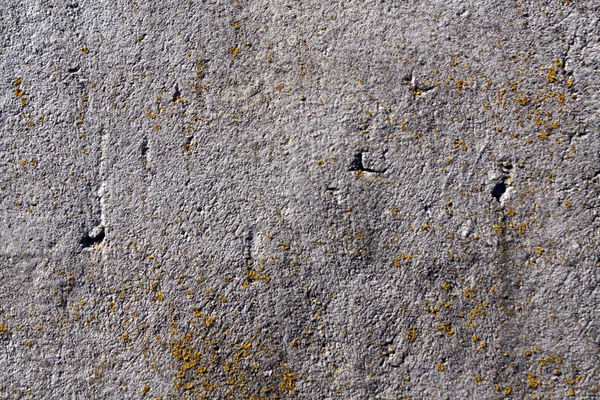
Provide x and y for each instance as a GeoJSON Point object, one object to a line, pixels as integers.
{"type": "Point", "coordinates": [299, 199]}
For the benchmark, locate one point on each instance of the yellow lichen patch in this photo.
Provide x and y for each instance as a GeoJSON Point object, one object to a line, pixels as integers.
{"type": "Point", "coordinates": [441, 367]}
{"type": "Point", "coordinates": [18, 81]}
{"type": "Point", "coordinates": [85, 49]}
{"type": "Point", "coordinates": [533, 381]}
{"type": "Point", "coordinates": [446, 327]}
{"type": "Point", "coordinates": [234, 51]}
{"type": "Point", "coordinates": [411, 334]}
{"type": "Point", "coordinates": [551, 77]}
{"type": "Point", "coordinates": [19, 92]}
{"type": "Point", "coordinates": [288, 380]}
{"type": "Point", "coordinates": [460, 84]}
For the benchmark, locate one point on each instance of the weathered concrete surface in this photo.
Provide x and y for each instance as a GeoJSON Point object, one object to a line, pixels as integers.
{"type": "Point", "coordinates": [299, 199]}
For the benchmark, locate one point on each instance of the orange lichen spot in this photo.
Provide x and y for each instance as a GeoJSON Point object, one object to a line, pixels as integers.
{"type": "Point", "coordinates": [280, 87]}
{"type": "Point", "coordinates": [85, 49]}
{"type": "Point", "coordinates": [478, 378]}
{"type": "Point", "coordinates": [441, 367]}
{"type": "Point", "coordinates": [568, 204]}
{"type": "Point", "coordinates": [498, 229]}
{"type": "Point", "coordinates": [507, 390]}
{"type": "Point", "coordinates": [285, 246]}
{"type": "Point", "coordinates": [18, 81]}
{"type": "Point", "coordinates": [522, 228]}
{"type": "Point", "coordinates": [469, 293]}
{"type": "Point", "coordinates": [447, 286]}
{"type": "Point", "coordinates": [159, 297]}
{"type": "Point", "coordinates": [125, 337]}
{"type": "Point", "coordinates": [411, 334]}
{"type": "Point", "coordinates": [234, 51]}
{"type": "Point", "coordinates": [236, 25]}
{"type": "Point", "coordinates": [524, 101]}
{"type": "Point", "coordinates": [19, 92]}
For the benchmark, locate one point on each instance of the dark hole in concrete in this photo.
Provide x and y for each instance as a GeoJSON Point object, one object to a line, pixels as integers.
{"type": "Point", "coordinates": [498, 190]}
{"type": "Point", "coordinates": [176, 94]}
{"type": "Point", "coordinates": [144, 147]}
{"type": "Point", "coordinates": [356, 164]}
{"type": "Point", "coordinates": [89, 241]}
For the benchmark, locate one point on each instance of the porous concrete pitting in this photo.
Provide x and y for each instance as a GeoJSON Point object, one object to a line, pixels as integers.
{"type": "Point", "coordinates": [299, 199]}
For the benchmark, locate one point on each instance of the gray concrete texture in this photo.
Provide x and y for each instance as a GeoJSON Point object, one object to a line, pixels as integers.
{"type": "Point", "coordinates": [299, 199]}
